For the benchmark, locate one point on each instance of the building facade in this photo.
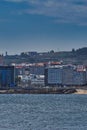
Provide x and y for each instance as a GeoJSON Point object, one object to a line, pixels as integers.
{"type": "Point", "coordinates": [7, 77]}
{"type": "Point", "coordinates": [53, 76]}
{"type": "Point", "coordinates": [36, 69]}
{"type": "Point", "coordinates": [66, 75]}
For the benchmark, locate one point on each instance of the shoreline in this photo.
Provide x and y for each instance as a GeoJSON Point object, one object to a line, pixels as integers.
{"type": "Point", "coordinates": [45, 91]}
{"type": "Point", "coordinates": [39, 91]}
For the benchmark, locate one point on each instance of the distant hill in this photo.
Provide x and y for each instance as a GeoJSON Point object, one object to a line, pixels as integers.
{"type": "Point", "coordinates": [78, 56]}
{"type": "Point", "coordinates": [82, 51]}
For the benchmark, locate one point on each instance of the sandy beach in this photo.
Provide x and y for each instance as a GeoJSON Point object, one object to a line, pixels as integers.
{"type": "Point", "coordinates": [81, 91]}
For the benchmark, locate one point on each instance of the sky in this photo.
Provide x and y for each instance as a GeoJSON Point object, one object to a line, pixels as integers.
{"type": "Point", "coordinates": [42, 25]}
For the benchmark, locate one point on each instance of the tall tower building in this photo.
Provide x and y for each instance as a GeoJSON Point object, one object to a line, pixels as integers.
{"type": "Point", "coordinates": [1, 59]}
{"type": "Point", "coordinates": [6, 76]}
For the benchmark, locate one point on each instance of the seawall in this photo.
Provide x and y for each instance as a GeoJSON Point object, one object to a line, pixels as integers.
{"type": "Point", "coordinates": [40, 91]}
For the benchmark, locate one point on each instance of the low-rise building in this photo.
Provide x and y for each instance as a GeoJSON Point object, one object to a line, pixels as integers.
{"type": "Point", "coordinates": [38, 80]}
{"type": "Point", "coordinates": [31, 80]}
{"type": "Point", "coordinates": [37, 69]}
{"type": "Point", "coordinates": [79, 77]}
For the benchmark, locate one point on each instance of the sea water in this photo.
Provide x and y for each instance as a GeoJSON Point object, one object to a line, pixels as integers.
{"type": "Point", "coordinates": [43, 112]}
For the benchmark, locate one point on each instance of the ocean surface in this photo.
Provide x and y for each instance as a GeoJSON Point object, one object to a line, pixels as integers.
{"type": "Point", "coordinates": [43, 112]}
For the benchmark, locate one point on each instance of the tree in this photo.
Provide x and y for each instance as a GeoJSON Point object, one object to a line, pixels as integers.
{"type": "Point", "coordinates": [73, 50]}
{"type": "Point", "coordinates": [52, 51]}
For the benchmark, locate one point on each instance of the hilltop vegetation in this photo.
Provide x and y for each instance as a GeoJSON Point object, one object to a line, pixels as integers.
{"type": "Point", "coordinates": [78, 56]}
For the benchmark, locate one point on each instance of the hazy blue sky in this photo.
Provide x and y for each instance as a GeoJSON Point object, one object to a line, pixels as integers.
{"type": "Point", "coordinates": [42, 25]}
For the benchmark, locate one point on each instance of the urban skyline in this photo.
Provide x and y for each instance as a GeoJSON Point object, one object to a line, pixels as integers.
{"type": "Point", "coordinates": [42, 25]}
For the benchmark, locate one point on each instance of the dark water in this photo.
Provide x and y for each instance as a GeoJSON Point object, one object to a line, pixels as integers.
{"type": "Point", "coordinates": [43, 112]}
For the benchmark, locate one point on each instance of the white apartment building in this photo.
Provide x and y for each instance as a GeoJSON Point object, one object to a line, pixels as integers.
{"type": "Point", "coordinates": [53, 75]}
{"type": "Point", "coordinates": [68, 75]}
{"type": "Point", "coordinates": [79, 77]}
